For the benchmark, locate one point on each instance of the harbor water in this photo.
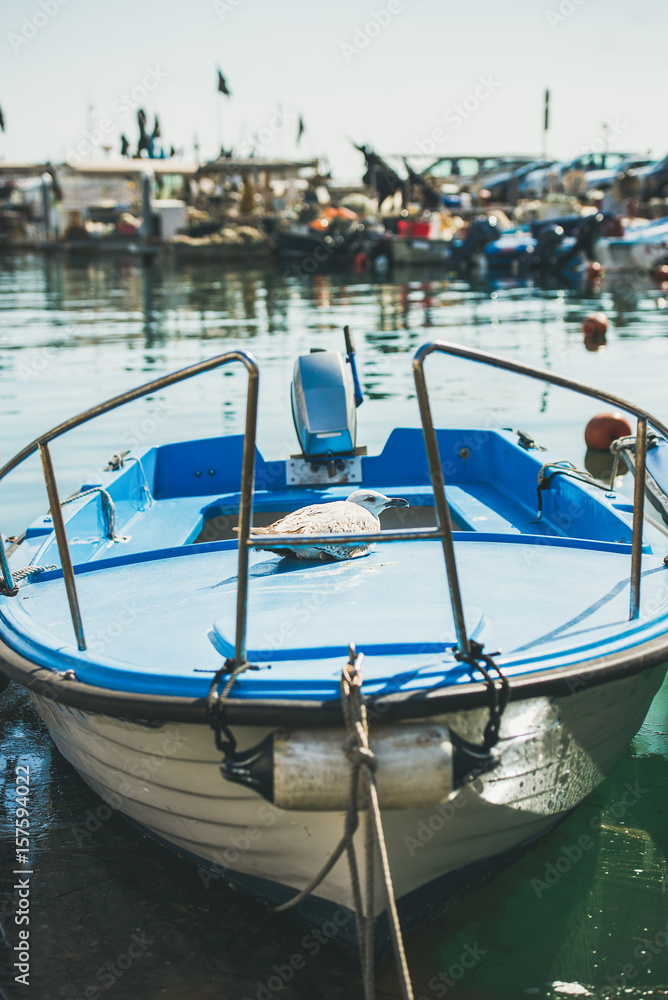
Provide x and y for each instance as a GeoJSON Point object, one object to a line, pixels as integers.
{"type": "Point", "coordinates": [114, 915]}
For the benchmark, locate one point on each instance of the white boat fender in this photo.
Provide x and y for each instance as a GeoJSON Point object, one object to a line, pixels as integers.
{"type": "Point", "coordinates": [418, 765]}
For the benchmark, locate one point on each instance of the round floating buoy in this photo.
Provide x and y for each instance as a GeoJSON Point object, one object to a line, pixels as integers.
{"type": "Point", "coordinates": [595, 324]}
{"type": "Point", "coordinates": [595, 271]}
{"type": "Point", "coordinates": [661, 275]}
{"type": "Point", "coordinates": [361, 262]}
{"type": "Point", "coordinates": [594, 341]}
{"type": "Point", "coordinates": [605, 428]}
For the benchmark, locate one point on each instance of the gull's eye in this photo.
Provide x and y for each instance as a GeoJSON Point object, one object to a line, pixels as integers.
{"type": "Point", "coordinates": [370, 499]}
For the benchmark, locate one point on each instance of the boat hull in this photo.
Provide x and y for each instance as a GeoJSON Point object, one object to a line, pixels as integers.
{"type": "Point", "coordinates": [165, 778]}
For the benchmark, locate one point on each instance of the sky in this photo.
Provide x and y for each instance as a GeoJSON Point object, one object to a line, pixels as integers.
{"type": "Point", "coordinates": [401, 75]}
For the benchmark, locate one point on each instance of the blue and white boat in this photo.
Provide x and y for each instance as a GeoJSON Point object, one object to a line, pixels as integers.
{"type": "Point", "coordinates": [642, 248]}
{"type": "Point", "coordinates": [513, 620]}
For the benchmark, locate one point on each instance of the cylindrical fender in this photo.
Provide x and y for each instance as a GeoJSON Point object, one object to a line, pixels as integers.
{"type": "Point", "coordinates": [417, 766]}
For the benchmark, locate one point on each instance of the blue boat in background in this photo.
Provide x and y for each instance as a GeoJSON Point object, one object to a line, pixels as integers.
{"type": "Point", "coordinates": [557, 247]}
{"type": "Point", "coordinates": [481, 667]}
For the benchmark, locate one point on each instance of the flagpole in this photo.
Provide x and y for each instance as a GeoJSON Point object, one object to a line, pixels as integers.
{"type": "Point", "coordinates": [219, 122]}
{"type": "Point", "coordinates": [546, 122]}
{"type": "Point", "coordinates": [224, 92]}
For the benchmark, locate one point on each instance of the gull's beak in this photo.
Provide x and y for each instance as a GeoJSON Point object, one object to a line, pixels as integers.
{"type": "Point", "coordinates": [396, 502]}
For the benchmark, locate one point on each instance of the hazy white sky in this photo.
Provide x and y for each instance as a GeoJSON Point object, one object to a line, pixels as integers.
{"type": "Point", "coordinates": [452, 76]}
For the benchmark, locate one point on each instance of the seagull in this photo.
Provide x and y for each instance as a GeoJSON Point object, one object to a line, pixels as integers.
{"type": "Point", "coordinates": [358, 513]}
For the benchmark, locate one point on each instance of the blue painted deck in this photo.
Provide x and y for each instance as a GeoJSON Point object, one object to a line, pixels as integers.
{"type": "Point", "coordinates": [159, 605]}
{"type": "Point", "coordinates": [150, 620]}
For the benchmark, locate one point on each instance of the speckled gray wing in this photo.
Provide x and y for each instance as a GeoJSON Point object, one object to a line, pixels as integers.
{"type": "Point", "coordinates": [321, 519]}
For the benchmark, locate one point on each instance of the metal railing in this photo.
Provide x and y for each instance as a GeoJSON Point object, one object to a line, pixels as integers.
{"type": "Point", "coordinates": [643, 418]}
{"type": "Point", "coordinates": [247, 541]}
{"type": "Point", "coordinates": [41, 444]}
{"type": "Point", "coordinates": [444, 530]}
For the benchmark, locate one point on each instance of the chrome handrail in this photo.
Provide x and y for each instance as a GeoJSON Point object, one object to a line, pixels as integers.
{"type": "Point", "coordinates": [247, 541]}
{"type": "Point", "coordinates": [643, 419]}
{"type": "Point", "coordinates": [41, 444]}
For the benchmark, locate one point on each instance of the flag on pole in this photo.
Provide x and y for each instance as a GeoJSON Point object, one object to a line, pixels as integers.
{"type": "Point", "coordinates": [2, 122]}
{"type": "Point", "coordinates": [300, 129]}
{"type": "Point", "coordinates": [546, 123]}
{"type": "Point", "coordinates": [222, 85]}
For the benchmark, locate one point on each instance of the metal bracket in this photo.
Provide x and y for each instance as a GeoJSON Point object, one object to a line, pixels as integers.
{"type": "Point", "coordinates": [326, 471]}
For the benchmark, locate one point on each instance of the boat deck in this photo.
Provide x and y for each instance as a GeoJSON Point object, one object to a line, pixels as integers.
{"type": "Point", "coordinates": [543, 601]}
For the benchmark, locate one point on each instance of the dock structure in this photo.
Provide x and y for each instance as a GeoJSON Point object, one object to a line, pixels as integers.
{"type": "Point", "coordinates": [148, 200]}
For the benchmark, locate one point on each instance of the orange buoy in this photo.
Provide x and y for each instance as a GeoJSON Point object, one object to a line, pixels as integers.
{"type": "Point", "coordinates": [605, 428]}
{"type": "Point", "coordinates": [361, 262]}
{"type": "Point", "coordinates": [595, 323]}
{"type": "Point", "coordinates": [594, 341]}
{"type": "Point", "coordinates": [661, 275]}
{"type": "Point", "coordinates": [595, 271]}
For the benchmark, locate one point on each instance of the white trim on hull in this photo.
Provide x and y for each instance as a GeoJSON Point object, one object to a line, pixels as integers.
{"type": "Point", "coordinates": [553, 753]}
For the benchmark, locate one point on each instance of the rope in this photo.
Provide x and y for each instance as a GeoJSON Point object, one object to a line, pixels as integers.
{"type": "Point", "coordinates": [215, 704]}
{"type": "Point", "coordinates": [108, 510]}
{"type": "Point", "coordinates": [21, 574]}
{"type": "Point", "coordinates": [363, 760]}
{"type": "Point", "coordinates": [563, 468]}
{"type": "Point", "coordinates": [498, 697]}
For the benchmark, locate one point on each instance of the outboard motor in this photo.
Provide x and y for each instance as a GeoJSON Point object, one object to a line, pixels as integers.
{"type": "Point", "coordinates": [325, 395]}
{"type": "Point", "coordinates": [481, 233]}
{"type": "Point", "coordinates": [545, 251]}
{"type": "Point", "coordinates": [587, 235]}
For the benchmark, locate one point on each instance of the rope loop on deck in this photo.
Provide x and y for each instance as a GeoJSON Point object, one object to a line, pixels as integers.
{"type": "Point", "coordinates": [562, 468]}
{"type": "Point", "coordinates": [22, 574]}
{"type": "Point", "coordinates": [108, 510]}
{"type": "Point", "coordinates": [363, 762]}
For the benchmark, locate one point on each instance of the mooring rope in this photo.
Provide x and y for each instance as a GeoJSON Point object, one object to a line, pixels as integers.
{"type": "Point", "coordinates": [562, 468]}
{"type": "Point", "coordinates": [21, 574]}
{"type": "Point", "coordinates": [363, 760]}
{"type": "Point", "coordinates": [215, 704]}
{"type": "Point", "coordinates": [108, 510]}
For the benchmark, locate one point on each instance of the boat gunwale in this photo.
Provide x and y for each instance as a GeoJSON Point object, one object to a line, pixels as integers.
{"type": "Point", "coordinates": [556, 683]}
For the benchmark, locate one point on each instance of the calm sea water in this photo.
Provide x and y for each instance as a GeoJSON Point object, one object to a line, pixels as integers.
{"type": "Point", "coordinates": [73, 333]}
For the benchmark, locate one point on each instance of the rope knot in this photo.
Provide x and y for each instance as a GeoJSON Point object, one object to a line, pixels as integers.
{"type": "Point", "coordinates": [361, 756]}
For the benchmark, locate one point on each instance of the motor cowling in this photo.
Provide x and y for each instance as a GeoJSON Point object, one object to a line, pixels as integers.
{"type": "Point", "coordinates": [323, 404]}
